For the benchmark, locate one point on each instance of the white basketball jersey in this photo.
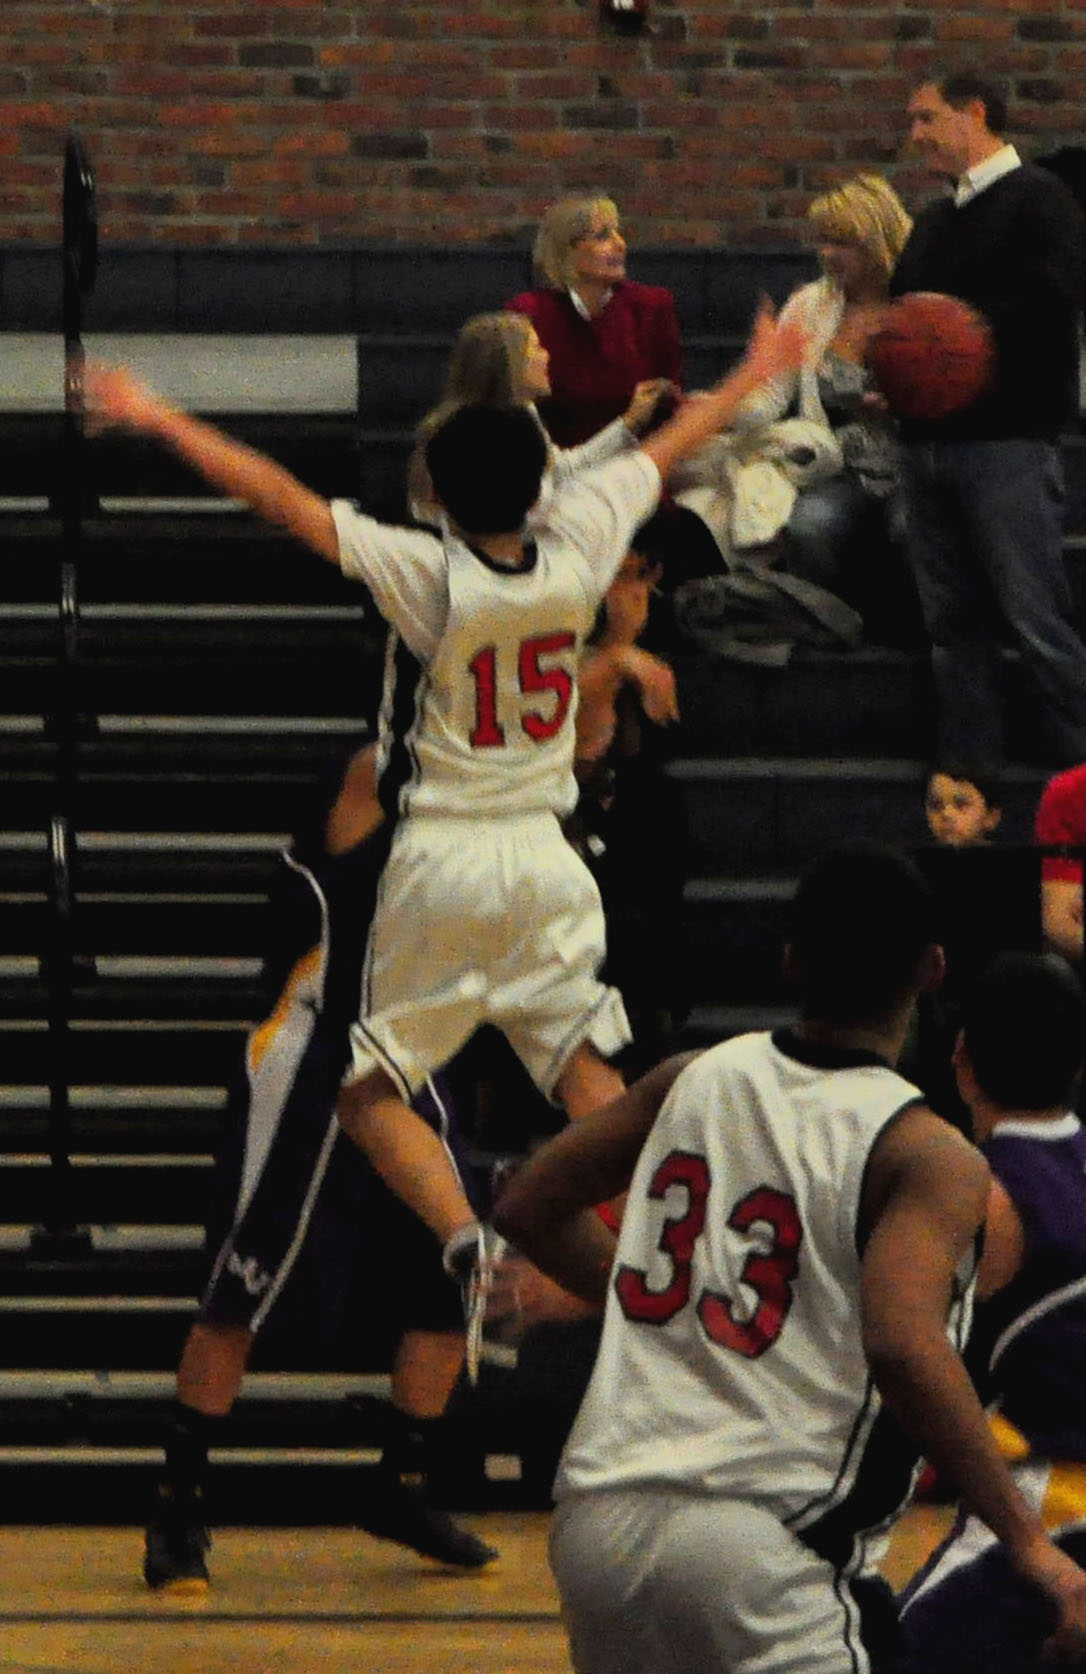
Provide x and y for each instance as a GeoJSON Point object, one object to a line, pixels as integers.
{"type": "Point", "coordinates": [731, 1360]}
{"type": "Point", "coordinates": [492, 723]}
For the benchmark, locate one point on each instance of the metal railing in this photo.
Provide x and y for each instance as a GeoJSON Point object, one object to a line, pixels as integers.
{"type": "Point", "coordinates": [60, 1234]}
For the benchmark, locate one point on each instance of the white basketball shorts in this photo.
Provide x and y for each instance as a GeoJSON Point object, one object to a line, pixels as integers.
{"type": "Point", "coordinates": [490, 921]}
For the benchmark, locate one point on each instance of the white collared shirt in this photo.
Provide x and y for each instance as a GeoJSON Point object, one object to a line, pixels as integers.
{"type": "Point", "coordinates": [581, 305]}
{"type": "Point", "coordinates": [984, 174]}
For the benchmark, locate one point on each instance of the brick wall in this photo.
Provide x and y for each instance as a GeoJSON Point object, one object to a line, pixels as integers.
{"type": "Point", "coordinates": [316, 121]}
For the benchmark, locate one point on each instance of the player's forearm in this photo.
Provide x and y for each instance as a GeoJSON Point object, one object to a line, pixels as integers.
{"type": "Point", "coordinates": [925, 1386]}
{"type": "Point", "coordinates": [245, 474]}
{"type": "Point", "coordinates": [700, 418]}
{"type": "Point", "coordinates": [577, 1254]}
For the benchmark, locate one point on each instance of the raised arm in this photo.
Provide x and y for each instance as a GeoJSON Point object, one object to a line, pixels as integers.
{"type": "Point", "coordinates": [775, 348]}
{"type": "Point", "coordinates": [925, 1198]}
{"type": "Point", "coordinates": [547, 1209]}
{"type": "Point", "coordinates": [114, 398]}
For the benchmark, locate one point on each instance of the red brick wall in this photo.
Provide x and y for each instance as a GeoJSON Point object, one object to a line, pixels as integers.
{"type": "Point", "coordinates": [310, 121]}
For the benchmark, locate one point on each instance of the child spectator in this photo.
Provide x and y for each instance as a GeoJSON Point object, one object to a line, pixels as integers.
{"type": "Point", "coordinates": [964, 807]}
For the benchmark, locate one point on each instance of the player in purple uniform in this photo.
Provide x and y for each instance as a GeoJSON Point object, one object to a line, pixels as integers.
{"type": "Point", "coordinates": [1017, 1061]}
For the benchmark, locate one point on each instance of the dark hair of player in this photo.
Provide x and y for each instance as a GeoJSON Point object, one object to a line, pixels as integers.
{"type": "Point", "coordinates": [1024, 1022]}
{"type": "Point", "coordinates": [486, 465]}
{"type": "Point", "coordinates": [861, 921]}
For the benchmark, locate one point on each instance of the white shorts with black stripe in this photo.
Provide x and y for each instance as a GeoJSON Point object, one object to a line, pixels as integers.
{"type": "Point", "coordinates": [664, 1582]}
{"type": "Point", "coordinates": [495, 921]}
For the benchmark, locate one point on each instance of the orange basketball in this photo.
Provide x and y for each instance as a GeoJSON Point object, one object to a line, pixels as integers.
{"type": "Point", "coordinates": [932, 356]}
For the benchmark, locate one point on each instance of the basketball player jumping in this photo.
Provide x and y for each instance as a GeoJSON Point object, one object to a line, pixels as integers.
{"type": "Point", "coordinates": [485, 913]}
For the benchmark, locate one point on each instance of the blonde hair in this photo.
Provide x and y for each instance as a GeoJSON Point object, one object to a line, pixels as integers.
{"type": "Point", "coordinates": [865, 211]}
{"type": "Point", "coordinates": [487, 366]}
{"type": "Point", "coordinates": [564, 225]}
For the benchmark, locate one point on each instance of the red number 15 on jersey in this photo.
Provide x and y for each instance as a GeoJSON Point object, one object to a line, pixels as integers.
{"type": "Point", "coordinates": [532, 676]}
{"type": "Point", "coordinates": [768, 1273]}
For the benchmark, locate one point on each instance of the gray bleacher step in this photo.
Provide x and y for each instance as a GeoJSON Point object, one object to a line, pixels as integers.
{"type": "Point", "coordinates": [265, 789]}
{"type": "Point", "coordinates": [98, 1098]}
{"type": "Point", "coordinates": [119, 1269]}
{"type": "Point", "coordinates": [112, 1240]}
{"type": "Point", "coordinates": [128, 1332]}
{"type": "Point", "coordinates": [228, 990]}
{"type": "Point", "coordinates": [203, 862]}
{"type": "Point", "coordinates": [163, 551]}
{"type": "Point", "coordinates": [198, 1051]}
{"type": "Point", "coordinates": [732, 934]}
{"type": "Point", "coordinates": [292, 1485]}
{"type": "Point", "coordinates": [282, 1387]}
{"type": "Point", "coordinates": [155, 1188]}
{"type": "Point", "coordinates": [331, 455]}
{"type": "Point", "coordinates": [227, 726]}
{"type": "Point", "coordinates": [110, 1119]}
{"type": "Point", "coordinates": [261, 373]}
{"type": "Point", "coordinates": [865, 703]}
{"type": "Point", "coordinates": [145, 1331]}
{"type": "Point", "coordinates": [773, 813]}
{"type": "Point", "coordinates": [220, 928]}
{"type": "Point", "coordinates": [141, 507]}
{"type": "Point", "coordinates": [170, 968]}
{"type": "Point", "coordinates": [707, 1024]}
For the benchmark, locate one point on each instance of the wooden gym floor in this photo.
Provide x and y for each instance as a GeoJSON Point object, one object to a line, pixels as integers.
{"type": "Point", "coordinates": [301, 1601]}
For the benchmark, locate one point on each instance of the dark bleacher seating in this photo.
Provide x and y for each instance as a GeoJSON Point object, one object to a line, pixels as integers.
{"type": "Point", "coordinates": [220, 670]}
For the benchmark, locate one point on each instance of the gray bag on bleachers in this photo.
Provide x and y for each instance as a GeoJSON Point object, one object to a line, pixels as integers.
{"type": "Point", "coordinates": [757, 614]}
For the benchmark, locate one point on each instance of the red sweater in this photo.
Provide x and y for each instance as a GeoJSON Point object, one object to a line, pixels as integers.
{"type": "Point", "coordinates": [595, 364]}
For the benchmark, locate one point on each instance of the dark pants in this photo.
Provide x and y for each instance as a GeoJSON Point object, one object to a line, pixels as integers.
{"type": "Point", "coordinates": [983, 1619]}
{"type": "Point", "coordinates": [985, 536]}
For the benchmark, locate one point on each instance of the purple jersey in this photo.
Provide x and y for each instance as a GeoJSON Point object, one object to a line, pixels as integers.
{"type": "Point", "coordinates": [1037, 1324]}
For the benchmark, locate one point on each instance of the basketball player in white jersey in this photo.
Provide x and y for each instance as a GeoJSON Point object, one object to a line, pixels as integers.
{"type": "Point", "coordinates": [485, 913]}
{"type": "Point", "coordinates": [791, 1284]}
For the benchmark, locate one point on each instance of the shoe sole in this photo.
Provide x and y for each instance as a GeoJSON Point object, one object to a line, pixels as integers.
{"type": "Point", "coordinates": [182, 1586]}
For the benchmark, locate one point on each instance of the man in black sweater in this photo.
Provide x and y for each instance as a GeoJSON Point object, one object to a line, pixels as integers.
{"type": "Point", "coordinates": [984, 486]}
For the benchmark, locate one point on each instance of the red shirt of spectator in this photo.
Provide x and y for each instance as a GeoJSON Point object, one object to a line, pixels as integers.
{"type": "Point", "coordinates": [604, 333]}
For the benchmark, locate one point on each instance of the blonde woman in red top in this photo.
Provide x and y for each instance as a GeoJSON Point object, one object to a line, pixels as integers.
{"type": "Point", "coordinates": [607, 336]}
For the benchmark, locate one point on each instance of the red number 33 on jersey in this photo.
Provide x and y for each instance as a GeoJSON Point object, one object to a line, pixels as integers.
{"type": "Point", "coordinates": [532, 676]}
{"type": "Point", "coordinates": [768, 1272]}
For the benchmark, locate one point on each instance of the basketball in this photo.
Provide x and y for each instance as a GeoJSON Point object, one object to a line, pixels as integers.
{"type": "Point", "coordinates": [932, 356]}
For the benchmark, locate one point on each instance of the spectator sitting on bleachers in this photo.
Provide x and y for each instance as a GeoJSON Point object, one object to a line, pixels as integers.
{"type": "Point", "coordinates": [963, 809]}
{"type": "Point", "coordinates": [1061, 818]}
{"type": "Point", "coordinates": [816, 494]}
{"type": "Point", "coordinates": [607, 336]}
{"type": "Point", "coordinates": [962, 805]}
{"type": "Point", "coordinates": [498, 360]}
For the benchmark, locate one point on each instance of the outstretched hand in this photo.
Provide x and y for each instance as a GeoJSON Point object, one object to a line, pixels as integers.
{"type": "Point", "coordinates": [646, 397]}
{"type": "Point", "coordinates": [114, 398]}
{"type": "Point", "coordinates": [775, 345]}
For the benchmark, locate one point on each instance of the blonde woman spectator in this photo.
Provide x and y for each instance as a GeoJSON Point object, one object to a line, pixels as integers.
{"type": "Point", "coordinates": [838, 526]}
{"type": "Point", "coordinates": [607, 336]}
{"type": "Point", "coordinates": [498, 360]}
